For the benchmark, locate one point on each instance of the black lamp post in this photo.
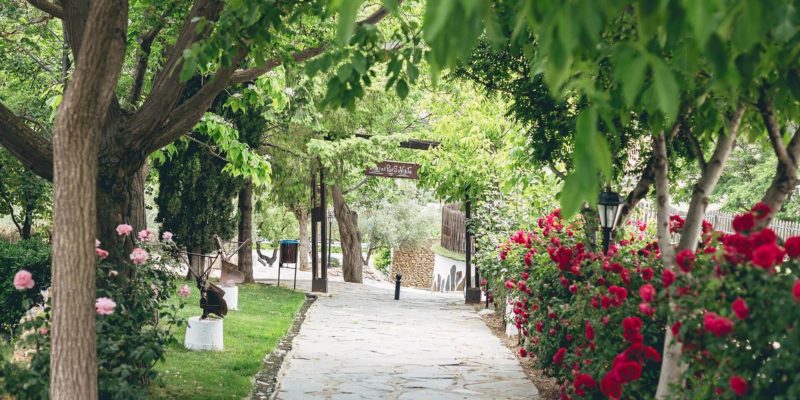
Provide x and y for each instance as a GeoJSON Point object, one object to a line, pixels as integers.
{"type": "Point", "coordinates": [608, 206]}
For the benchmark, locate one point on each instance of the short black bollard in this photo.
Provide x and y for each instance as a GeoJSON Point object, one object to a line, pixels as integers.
{"type": "Point", "coordinates": [397, 287]}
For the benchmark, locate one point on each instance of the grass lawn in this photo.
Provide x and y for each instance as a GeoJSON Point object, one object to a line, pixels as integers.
{"type": "Point", "coordinates": [265, 314]}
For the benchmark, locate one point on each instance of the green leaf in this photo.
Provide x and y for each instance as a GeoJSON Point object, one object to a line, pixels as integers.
{"type": "Point", "coordinates": [630, 71]}
{"type": "Point", "coordinates": [667, 91]}
{"type": "Point", "coordinates": [348, 10]}
{"type": "Point", "coordinates": [402, 88]}
{"type": "Point", "coordinates": [436, 15]}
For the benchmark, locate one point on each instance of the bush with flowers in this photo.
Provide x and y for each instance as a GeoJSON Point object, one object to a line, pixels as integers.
{"type": "Point", "coordinates": [594, 322]}
{"type": "Point", "coordinates": [737, 313]}
{"type": "Point", "coordinates": [134, 323]}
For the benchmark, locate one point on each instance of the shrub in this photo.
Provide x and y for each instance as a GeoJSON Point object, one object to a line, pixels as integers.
{"type": "Point", "coordinates": [130, 340]}
{"type": "Point", "coordinates": [737, 313]}
{"type": "Point", "coordinates": [581, 313]}
{"type": "Point", "coordinates": [383, 259]}
{"type": "Point", "coordinates": [31, 255]}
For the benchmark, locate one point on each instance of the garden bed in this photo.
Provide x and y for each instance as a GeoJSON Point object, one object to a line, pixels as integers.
{"type": "Point", "coordinates": [265, 315]}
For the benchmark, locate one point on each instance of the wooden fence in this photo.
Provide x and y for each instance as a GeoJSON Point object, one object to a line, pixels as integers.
{"type": "Point", "coordinates": [453, 229]}
{"type": "Point", "coordinates": [723, 221]}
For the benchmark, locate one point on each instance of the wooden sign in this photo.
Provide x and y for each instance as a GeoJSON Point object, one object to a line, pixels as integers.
{"type": "Point", "coordinates": [395, 169]}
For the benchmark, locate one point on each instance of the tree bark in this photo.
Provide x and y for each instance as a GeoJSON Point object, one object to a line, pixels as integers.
{"type": "Point", "coordinates": [670, 368]}
{"type": "Point", "coordinates": [639, 192]}
{"type": "Point", "coordinates": [245, 256]}
{"type": "Point", "coordinates": [79, 122]}
{"type": "Point", "coordinates": [302, 221]}
{"type": "Point", "coordinates": [785, 180]}
{"type": "Point", "coordinates": [120, 200]}
{"type": "Point", "coordinates": [708, 180]}
{"type": "Point", "coordinates": [350, 237]}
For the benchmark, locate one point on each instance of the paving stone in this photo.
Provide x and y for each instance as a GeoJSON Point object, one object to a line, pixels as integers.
{"type": "Point", "coordinates": [359, 343]}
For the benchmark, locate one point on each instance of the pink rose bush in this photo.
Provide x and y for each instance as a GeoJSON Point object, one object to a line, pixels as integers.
{"type": "Point", "coordinates": [124, 229]}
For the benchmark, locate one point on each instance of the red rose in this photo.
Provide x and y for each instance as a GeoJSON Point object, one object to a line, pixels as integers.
{"type": "Point", "coordinates": [558, 358]}
{"type": "Point", "coordinates": [667, 278]}
{"type": "Point", "coordinates": [647, 274]}
{"type": "Point", "coordinates": [632, 324]}
{"type": "Point", "coordinates": [646, 309]}
{"type": "Point", "coordinates": [584, 381]}
{"type": "Point", "coordinates": [740, 308]}
{"type": "Point", "coordinates": [510, 284]}
{"type": "Point", "coordinates": [738, 385]}
{"type": "Point", "coordinates": [647, 292]}
{"type": "Point", "coordinates": [528, 258]}
{"type": "Point", "coordinates": [521, 286]}
{"type": "Point", "coordinates": [522, 352]}
{"type": "Point", "coordinates": [616, 267]}
{"type": "Point", "coordinates": [605, 302]}
{"type": "Point", "coordinates": [525, 275]}
{"type": "Point", "coordinates": [675, 223]}
{"type": "Point", "coordinates": [589, 331]}
{"type": "Point", "coordinates": [761, 210]}
{"type": "Point", "coordinates": [676, 328]}
{"type": "Point", "coordinates": [792, 246]}
{"type": "Point", "coordinates": [796, 291]}
{"type": "Point", "coordinates": [620, 293]}
{"type": "Point", "coordinates": [768, 255]}
{"type": "Point", "coordinates": [744, 222]}
{"type": "Point", "coordinates": [573, 288]}
{"type": "Point", "coordinates": [564, 281]}
{"type": "Point", "coordinates": [685, 260]}
{"type": "Point", "coordinates": [593, 301]}
{"type": "Point", "coordinates": [625, 276]}
{"type": "Point", "coordinates": [719, 326]}
{"type": "Point", "coordinates": [628, 371]}
{"type": "Point", "coordinates": [641, 353]}
{"type": "Point", "coordinates": [611, 386]}
{"type": "Point", "coordinates": [539, 326]}
{"type": "Point", "coordinates": [503, 254]}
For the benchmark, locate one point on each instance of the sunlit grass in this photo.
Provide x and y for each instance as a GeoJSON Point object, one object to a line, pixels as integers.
{"type": "Point", "coordinates": [265, 314]}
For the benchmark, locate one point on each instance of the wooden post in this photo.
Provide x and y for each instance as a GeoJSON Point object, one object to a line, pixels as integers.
{"type": "Point", "coordinates": [472, 295]}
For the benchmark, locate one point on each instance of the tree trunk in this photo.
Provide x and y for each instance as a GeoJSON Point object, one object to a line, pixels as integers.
{"type": "Point", "coordinates": [120, 200]}
{"type": "Point", "coordinates": [350, 237]}
{"type": "Point", "coordinates": [27, 222]}
{"type": "Point", "coordinates": [785, 179]}
{"type": "Point", "coordinates": [79, 122]}
{"type": "Point", "coordinates": [245, 256]}
{"type": "Point", "coordinates": [670, 368]}
{"type": "Point", "coordinates": [302, 221]}
{"type": "Point", "coordinates": [195, 262]}
{"type": "Point", "coordinates": [708, 180]}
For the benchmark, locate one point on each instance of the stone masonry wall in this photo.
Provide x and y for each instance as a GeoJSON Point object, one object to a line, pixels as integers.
{"type": "Point", "coordinates": [416, 265]}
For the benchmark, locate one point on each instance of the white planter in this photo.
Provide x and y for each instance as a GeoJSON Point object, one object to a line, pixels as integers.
{"type": "Point", "coordinates": [204, 334]}
{"type": "Point", "coordinates": [231, 296]}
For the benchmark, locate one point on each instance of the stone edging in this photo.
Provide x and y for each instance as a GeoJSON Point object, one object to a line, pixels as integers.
{"type": "Point", "coordinates": [266, 379]}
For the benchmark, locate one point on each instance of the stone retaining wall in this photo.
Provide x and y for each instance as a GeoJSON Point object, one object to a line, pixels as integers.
{"type": "Point", "coordinates": [416, 265]}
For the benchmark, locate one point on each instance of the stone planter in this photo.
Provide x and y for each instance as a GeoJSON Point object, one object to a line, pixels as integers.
{"type": "Point", "coordinates": [231, 297]}
{"type": "Point", "coordinates": [204, 334]}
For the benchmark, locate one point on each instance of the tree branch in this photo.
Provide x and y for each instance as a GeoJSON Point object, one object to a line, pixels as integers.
{"type": "Point", "coordinates": [708, 180]}
{"type": "Point", "coordinates": [773, 130]}
{"type": "Point", "coordinates": [168, 87]}
{"type": "Point", "coordinates": [34, 151]}
{"type": "Point", "coordinates": [696, 148]}
{"type": "Point", "coordinates": [555, 170]}
{"type": "Point", "coordinates": [251, 74]}
{"type": "Point", "coordinates": [640, 191]}
{"type": "Point", "coordinates": [53, 9]}
{"type": "Point", "coordinates": [145, 44]}
{"type": "Point", "coordinates": [356, 186]}
{"type": "Point", "coordinates": [184, 117]}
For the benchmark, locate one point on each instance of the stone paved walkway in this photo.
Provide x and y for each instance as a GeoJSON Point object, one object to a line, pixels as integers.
{"type": "Point", "coordinates": [360, 343]}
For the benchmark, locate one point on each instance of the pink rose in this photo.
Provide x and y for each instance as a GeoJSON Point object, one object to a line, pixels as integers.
{"type": "Point", "coordinates": [43, 330]}
{"type": "Point", "coordinates": [139, 256]}
{"type": "Point", "coordinates": [124, 229]}
{"type": "Point", "coordinates": [100, 253]}
{"type": "Point", "coordinates": [184, 291]}
{"type": "Point", "coordinates": [23, 280]}
{"type": "Point", "coordinates": [145, 234]}
{"type": "Point", "coordinates": [167, 236]}
{"type": "Point", "coordinates": [104, 306]}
